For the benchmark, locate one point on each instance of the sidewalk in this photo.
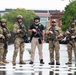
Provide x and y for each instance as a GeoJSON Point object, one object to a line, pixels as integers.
{"type": "Point", "coordinates": [36, 69]}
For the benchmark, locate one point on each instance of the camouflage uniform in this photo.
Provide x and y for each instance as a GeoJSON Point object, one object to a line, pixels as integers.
{"type": "Point", "coordinates": [71, 45]}
{"type": "Point", "coordinates": [5, 44]}
{"type": "Point", "coordinates": [1, 46]}
{"type": "Point", "coordinates": [18, 43]}
{"type": "Point", "coordinates": [6, 35]}
{"type": "Point", "coordinates": [54, 45]}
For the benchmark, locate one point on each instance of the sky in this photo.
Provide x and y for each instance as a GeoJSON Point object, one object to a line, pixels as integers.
{"type": "Point", "coordinates": [34, 4]}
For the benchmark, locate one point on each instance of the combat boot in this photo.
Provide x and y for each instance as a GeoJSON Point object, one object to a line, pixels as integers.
{"type": "Point", "coordinates": [14, 63]}
{"type": "Point", "coordinates": [31, 62]}
{"type": "Point", "coordinates": [51, 63]}
{"type": "Point", "coordinates": [68, 63]}
{"type": "Point", "coordinates": [2, 63]}
{"type": "Point", "coordinates": [5, 61]}
{"type": "Point", "coordinates": [22, 62]}
{"type": "Point", "coordinates": [41, 61]}
{"type": "Point", "coordinates": [57, 63]}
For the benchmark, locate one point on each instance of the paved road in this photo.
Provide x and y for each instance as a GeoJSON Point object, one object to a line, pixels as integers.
{"type": "Point", "coordinates": [38, 69]}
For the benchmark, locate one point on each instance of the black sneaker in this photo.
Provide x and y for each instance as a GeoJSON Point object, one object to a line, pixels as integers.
{"type": "Point", "coordinates": [31, 62]}
{"type": "Point", "coordinates": [52, 63]}
{"type": "Point", "coordinates": [57, 63]}
{"type": "Point", "coordinates": [41, 61]}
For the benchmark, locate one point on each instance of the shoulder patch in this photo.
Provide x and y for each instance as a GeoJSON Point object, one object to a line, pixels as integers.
{"type": "Point", "coordinates": [40, 24]}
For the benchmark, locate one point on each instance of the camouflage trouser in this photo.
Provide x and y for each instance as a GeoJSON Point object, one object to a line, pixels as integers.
{"type": "Point", "coordinates": [54, 46]}
{"type": "Point", "coordinates": [35, 43]}
{"type": "Point", "coordinates": [1, 51]}
{"type": "Point", "coordinates": [5, 52]}
{"type": "Point", "coordinates": [71, 46]}
{"type": "Point", "coordinates": [18, 44]}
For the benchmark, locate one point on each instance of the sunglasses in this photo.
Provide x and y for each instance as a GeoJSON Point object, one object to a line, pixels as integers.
{"type": "Point", "coordinates": [53, 22]}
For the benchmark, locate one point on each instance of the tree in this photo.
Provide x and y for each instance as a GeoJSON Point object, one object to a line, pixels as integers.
{"type": "Point", "coordinates": [69, 0]}
{"type": "Point", "coordinates": [11, 17]}
{"type": "Point", "coordinates": [69, 13]}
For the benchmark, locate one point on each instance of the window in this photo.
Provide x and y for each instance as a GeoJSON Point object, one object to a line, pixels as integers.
{"type": "Point", "coordinates": [43, 20]}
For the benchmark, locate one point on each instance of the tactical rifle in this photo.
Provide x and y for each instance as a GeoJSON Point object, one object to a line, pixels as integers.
{"type": "Point", "coordinates": [38, 34]}
{"type": "Point", "coordinates": [53, 36]}
{"type": "Point", "coordinates": [6, 38]}
{"type": "Point", "coordinates": [23, 32]}
{"type": "Point", "coordinates": [71, 34]}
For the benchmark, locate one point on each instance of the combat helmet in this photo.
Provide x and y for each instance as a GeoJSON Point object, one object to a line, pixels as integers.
{"type": "Point", "coordinates": [3, 20]}
{"type": "Point", "coordinates": [19, 16]}
{"type": "Point", "coordinates": [36, 17]}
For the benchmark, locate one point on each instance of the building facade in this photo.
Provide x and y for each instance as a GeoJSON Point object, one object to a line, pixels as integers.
{"type": "Point", "coordinates": [57, 16]}
{"type": "Point", "coordinates": [45, 15]}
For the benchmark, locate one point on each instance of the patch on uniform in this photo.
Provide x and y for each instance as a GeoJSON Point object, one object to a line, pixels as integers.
{"type": "Point", "coordinates": [39, 24]}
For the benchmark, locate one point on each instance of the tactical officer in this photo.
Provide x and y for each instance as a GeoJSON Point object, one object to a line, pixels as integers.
{"type": "Point", "coordinates": [4, 40]}
{"type": "Point", "coordinates": [19, 30]}
{"type": "Point", "coordinates": [37, 38]}
{"type": "Point", "coordinates": [54, 33]}
{"type": "Point", "coordinates": [71, 39]}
